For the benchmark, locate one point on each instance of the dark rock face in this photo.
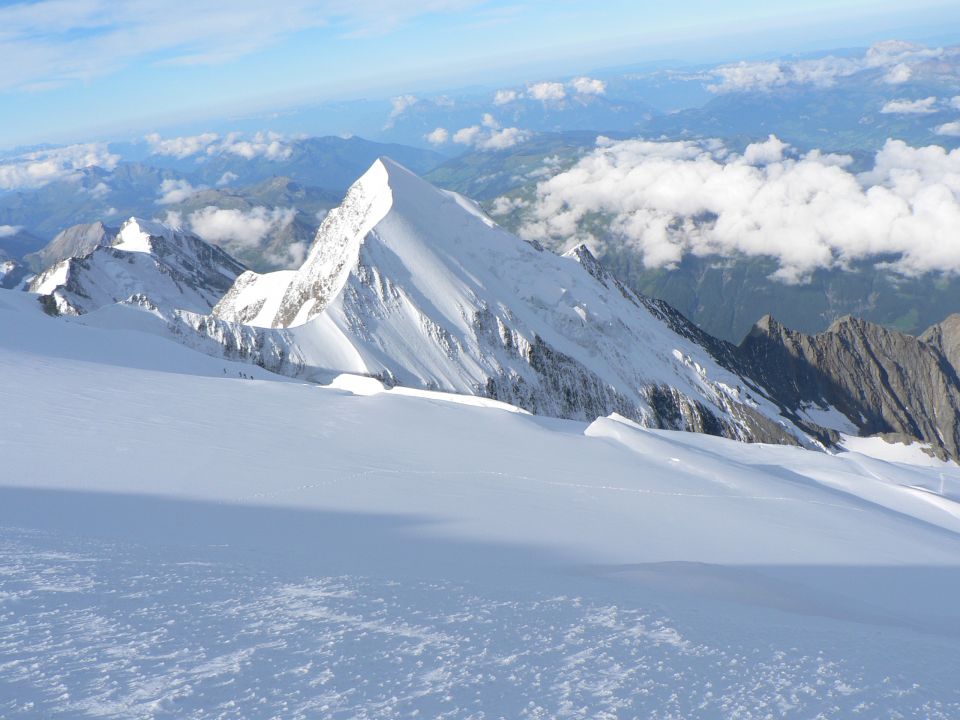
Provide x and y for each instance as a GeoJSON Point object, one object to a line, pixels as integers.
{"type": "Point", "coordinates": [75, 241]}
{"type": "Point", "coordinates": [944, 337]}
{"type": "Point", "coordinates": [883, 381]}
{"type": "Point", "coordinates": [12, 273]}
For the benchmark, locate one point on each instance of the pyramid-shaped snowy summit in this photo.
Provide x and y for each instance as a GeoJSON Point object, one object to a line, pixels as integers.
{"type": "Point", "coordinates": [417, 286]}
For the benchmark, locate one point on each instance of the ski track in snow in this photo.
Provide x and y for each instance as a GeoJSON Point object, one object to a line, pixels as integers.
{"type": "Point", "coordinates": [99, 628]}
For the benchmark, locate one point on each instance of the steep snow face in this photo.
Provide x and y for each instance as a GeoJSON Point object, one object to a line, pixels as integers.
{"type": "Point", "coordinates": [334, 253]}
{"type": "Point", "coordinates": [418, 287]}
{"type": "Point", "coordinates": [255, 299]}
{"type": "Point", "coordinates": [148, 262]}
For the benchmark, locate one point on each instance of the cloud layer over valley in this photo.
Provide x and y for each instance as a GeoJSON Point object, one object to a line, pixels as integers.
{"type": "Point", "coordinates": [807, 211]}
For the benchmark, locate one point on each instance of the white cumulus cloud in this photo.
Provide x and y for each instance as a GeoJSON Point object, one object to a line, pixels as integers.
{"type": "Point", "coordinates": [950, 129]}
{"type": "Point", "coordinates": [238, 228]}
{"type": "Point", "coordinates": [468, 135]}
{"type": "Point", "coordinates": [398, 106]}
{"type": "Point", "coordinates": [180, 147]}
{"type": "Point", "coordinates": [547, 91]}
{"type": "Point", "coordinates": [588, 86]}
{"type": "Point", "coordinates": [766, 152]}
{"type": "Point", "coordinates": [35, 169]}
{"type": "Point", "coordinates": [173, 191]}
{"type": "Point", "coordinates": [806, 211]}
{"type": "Point", "coordinates": [440, 136]}
{"type": "Point", "coordinates": [173, 219]}
{"type": "Point", "coordinates": [897, 57]}
{"type": "Point", "coordinates": [9, 230]}
{"type": "Point", "coordinates": [898, 74]}
{"type": "Point", "coordinates": [488, 135]}
{"type": "Point", "coordinates": [551, 91]}
{"type": "Point", "coordinates": [504, 138]}
{"type": "Point", "coordinates": [266, 144]}
{"type": "Point", "coordinates": [923, 106]}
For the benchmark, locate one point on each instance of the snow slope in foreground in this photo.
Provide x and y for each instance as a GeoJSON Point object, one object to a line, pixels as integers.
{"type": "Point", "coordinates": [178, 541]}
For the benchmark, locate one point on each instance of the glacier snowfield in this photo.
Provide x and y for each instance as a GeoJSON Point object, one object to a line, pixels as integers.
{"type": "Point", "coordinates": [185, 537]}
{"type": "Point", "coordinates": [95, 628]}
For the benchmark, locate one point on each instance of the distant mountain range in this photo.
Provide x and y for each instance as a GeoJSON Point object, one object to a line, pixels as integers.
{"type": "Point", "coordinates": [261, 196]}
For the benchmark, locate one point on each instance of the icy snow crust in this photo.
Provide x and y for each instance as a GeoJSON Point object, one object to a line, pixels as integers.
{"type": "Point", "coordinates": [177, 540]}
{"type": "Point", "coordinates": [416, 286]}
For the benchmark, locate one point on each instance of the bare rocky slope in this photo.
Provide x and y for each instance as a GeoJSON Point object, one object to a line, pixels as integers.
{"type": "Point", "coordinates": [883, 381]}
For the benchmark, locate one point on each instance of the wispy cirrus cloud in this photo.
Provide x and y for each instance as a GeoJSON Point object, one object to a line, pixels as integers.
{"type": "Point", "coordinates": [52, 43]}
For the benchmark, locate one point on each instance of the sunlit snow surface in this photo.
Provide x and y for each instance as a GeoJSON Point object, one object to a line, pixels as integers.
{"type": "Point", "coordinates": [177, 540]}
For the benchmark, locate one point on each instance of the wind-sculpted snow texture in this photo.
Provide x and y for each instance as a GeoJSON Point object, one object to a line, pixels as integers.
{"type": "Point", "coordinates": [185, 536]}
{"type": "Point", "coordinates": [416, 286]}
{"type": "Point", "coordinates": [146, 259]}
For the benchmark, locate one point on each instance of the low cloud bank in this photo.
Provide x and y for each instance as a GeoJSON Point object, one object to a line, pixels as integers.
{"type": "Point", "coordinates": [552, 92]}
{"type": "Point", "coordinates": [807, 211]}
{"type": "Point", "coordinates": [238, 228]}
{"type": "Point", "coordinates": [268, 145]}
{"type": "Point", "coordinates": [36, 169]}
{"type": "Point", "coordinates": [897, 59]}
{"type": "Point", "coordinates": [487, 135]}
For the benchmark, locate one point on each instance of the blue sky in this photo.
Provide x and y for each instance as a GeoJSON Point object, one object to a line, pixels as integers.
{"type": "Point", "coordinates": [71, 69]}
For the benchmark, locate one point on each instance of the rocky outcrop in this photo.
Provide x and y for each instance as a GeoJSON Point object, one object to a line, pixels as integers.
{"type": "Point", "coordinates": [944, 337]}
{"type": "Point", "coordinates": [883, 381]}
{"type": "Point", "coordinates": [75, 241]}
{"type": "Point", "coordinates": [12, 273]}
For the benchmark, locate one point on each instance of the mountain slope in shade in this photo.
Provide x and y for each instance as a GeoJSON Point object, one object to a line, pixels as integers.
{"type": "Point", "coordinates": [880, 380]}
{"type": "Point", "coordinates": [75, 241]}
{"type": "Point", "coordinates": [12, 273]}
{"type": "Point", "coordinates": [417, 287]}
{"type": "Point", "coordinates": [147, 262]}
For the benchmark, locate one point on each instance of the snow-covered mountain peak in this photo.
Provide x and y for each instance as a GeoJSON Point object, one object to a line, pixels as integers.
{"type": "Point", "coordinates": [335, 250]}
{"type": "Point", "coordinates": [135, 235]}
{"type": "Point", "coordinates": [147, 260]}
{"type": "Point", "coordinates": [417, 286]}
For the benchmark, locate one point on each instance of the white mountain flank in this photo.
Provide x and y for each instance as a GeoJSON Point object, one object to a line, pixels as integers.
{"type": "Point", "coordinates": [418, 287]}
